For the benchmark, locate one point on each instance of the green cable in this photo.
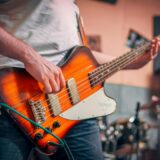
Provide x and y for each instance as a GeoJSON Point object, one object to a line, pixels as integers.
{"type": "Point", "coordinates": [62, 142]}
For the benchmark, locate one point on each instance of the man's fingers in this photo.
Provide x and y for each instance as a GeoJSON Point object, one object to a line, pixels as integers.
{"type": "Point", "coordinates": [47, 86]}
{"type": "Point", "coordinates": [153, 41]}
{"type": "Point", "coordinates": [152, 51]}
{"type": "Point", "coordinates": [55, 78]}
{"type": "Point", "coordinates": [54, 85]}
{"type": "Point", "coordinates": [47, 74]}
{"type": "Point", "coordinates": [156, 48]}
{"type": "Point", "coordinates": [157, 45]}
{"type": "Point", "coordinates": [61, 78]}
{"type": "Point", "coordinates": [153, 48]}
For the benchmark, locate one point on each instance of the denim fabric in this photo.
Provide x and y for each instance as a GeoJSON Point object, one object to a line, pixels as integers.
{"type": "Point", "coordinates": [13, 144]}
{"type": "Point", "coordinates": [83, 140]}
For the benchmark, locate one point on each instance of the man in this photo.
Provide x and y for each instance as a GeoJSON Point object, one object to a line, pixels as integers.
{"type": "Point", "coordinates": [48, 30]}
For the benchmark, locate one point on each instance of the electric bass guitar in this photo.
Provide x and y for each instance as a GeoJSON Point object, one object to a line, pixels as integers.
{"type": "Point", "coordinates": [83, 96]}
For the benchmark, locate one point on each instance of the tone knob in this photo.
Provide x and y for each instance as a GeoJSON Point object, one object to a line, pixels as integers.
{"type": "Point", "coordinates": [38, 136]}
{"type": "Point", "coordinates": [56, 124]}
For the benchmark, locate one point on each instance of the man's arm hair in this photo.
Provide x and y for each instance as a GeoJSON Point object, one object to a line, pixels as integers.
{"type": "Point", "coordinates": [42, 70]}
{"type": "Point", "coordinates": [14, 48]}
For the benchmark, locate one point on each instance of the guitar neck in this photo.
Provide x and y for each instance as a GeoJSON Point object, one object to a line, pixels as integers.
{"type": "Point", "coordinates": [106, 70]}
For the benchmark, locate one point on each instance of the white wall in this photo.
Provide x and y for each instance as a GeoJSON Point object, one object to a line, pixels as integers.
{"type": "Point", "coordinates": [112, 23]}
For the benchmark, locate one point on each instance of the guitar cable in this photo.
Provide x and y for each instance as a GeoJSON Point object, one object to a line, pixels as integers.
{"type": "Point", "coordinates": [62, 143]}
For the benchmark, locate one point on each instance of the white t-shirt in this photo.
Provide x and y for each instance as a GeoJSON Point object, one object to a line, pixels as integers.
{"type": "Point", "coordinates": [49, 26]}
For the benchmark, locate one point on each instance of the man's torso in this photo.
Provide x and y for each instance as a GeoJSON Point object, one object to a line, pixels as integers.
{"type": "Point", "coordinates": [49, 26]}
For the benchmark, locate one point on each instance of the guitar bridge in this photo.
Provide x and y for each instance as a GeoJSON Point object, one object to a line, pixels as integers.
{"type": "Point", "coordinates": [38, 111]}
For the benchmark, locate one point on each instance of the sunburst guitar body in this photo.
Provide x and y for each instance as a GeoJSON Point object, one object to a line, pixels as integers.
{"type": "Point", "coordinates": [83, 97]}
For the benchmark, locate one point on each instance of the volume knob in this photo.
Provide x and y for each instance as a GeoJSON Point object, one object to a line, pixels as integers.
{"type": "Point", "coordinates": [38, 136]}
{"type": "Point", "coordinates": [56, 124]}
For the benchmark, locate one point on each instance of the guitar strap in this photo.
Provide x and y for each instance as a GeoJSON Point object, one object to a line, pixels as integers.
{"type": "Point", "coordinates": [81, 32]}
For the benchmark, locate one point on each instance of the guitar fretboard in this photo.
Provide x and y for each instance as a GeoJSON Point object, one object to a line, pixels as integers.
{"type": "Point", "coordinates": [106, 70]}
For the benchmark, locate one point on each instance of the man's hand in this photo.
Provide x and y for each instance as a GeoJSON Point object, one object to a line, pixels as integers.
{"type": "Point", "coordinates": [155, 48]}
{"type": "Point", "coordinates": [150, 55]}
{"type": "Point", "coordinates": [47, 73]}
{"type": "Point", "coordinates": [42, 70]}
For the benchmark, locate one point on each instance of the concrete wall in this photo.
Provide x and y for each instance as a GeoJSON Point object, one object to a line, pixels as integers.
{"type": "Point", "coordinates": [112, 23]}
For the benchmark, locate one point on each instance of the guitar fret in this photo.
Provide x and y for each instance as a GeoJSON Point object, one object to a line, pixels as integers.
{"type": "Point", "coordinates": [115, 65]}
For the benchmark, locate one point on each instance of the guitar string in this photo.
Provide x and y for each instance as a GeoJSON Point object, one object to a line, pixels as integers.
{"type": "Point", "coordinates": [84, 78]}
{"type": "Point", "coordinates": [101, 80]}
{"type": "Point", "coordinates": [63, 96]}
{"type": "Point", "coordinates": [75, 75]}
{"type": "Point", "coordinates": [49, 111]}
{"type": "Point", "coordinates": [2, 84]}
{"type": "Point", "coordinates": [95, 69]}
{"type": "Point", "coordinates": [123, 64]}
{"type": "Point", "coordinates": [110, 75]}
{"type": "Point", "coordinates": [99, 66]}
{"type": "Point", "coordinates": [50, 115]}
{"type": "Point", "coordinates": [118, 69]}
{"type": "Point", "coordinates": [83, 83]}
{"type": "Point", "coordinates": [37, 94]}
{"type": "Point", "coordinates": [80, 90]}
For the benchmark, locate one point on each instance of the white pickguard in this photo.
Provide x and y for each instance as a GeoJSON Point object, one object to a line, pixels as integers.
{"type": "Point", "coordinates": [98, 104]}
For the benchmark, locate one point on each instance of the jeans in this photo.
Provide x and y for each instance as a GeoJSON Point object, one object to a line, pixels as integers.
{"type": "Point", "coordinates": [83, 141]}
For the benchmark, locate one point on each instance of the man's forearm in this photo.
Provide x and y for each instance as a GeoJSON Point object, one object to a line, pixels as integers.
{"type": "Point", "coordinates": [14, 48]}
{"type": "Point", "coordinates": [42, 70]}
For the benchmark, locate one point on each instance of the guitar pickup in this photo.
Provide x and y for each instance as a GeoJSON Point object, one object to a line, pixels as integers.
{"type": "Point", "coordinates": [53, 103]}
{"type": "Point", "coordinates": [73, 91]}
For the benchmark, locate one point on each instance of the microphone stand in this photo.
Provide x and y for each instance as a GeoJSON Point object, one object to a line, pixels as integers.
{"type": "Point", "coordinates": [158, 138]}
{"type": "Point", "coordinates": [137, 133]}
